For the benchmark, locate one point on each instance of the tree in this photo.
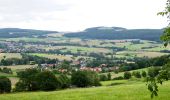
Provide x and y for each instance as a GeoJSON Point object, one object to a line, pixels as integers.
{"type": "Point", "coordinates": [65, 81]}
{"type": "Point", "coordinates": [165, 37]}
{"type": "Point", "coordinates": [127, 75]}
{"type": "Point", "coordinates": [47, 81]}
{"type": "Point", "coordinates": [153, 71]}
{"type": "Point", "coordinates": [164, 72]}
{"type": "Point", "coordinates": [103, 77]}
{"type": "Point", "coordinates": [144, 73]}
{"type": "Point", "coordinates": [27, 81]}
{"type": "Point", "coordinates": [136, 74]}
{"type": "Point", "coordinates": [5, 85]}
{"type": "Point", "coordinates": [85, 79]}
{"type": "Point", "coordinates": [109, 76]}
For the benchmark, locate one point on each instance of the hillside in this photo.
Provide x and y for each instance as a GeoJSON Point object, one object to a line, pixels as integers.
{"type": "Point", "coordinates": [117, 33]}
{"type": "Point", "coordinates": [16, 32]}
{"type": "Point", "coordinates": [126, 90]}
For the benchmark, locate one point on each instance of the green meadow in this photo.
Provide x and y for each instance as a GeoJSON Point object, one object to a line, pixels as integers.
{"type": "Point", "coordinates": [123, 90]}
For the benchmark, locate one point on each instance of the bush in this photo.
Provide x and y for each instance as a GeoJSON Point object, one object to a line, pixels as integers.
{"type": "Point", "coordinates": [5, 85]}
{"type": "Point", "coordinates": [144, 74]}
{"type": "Point", "coordinates": [65, 81]}
{"type": "Point", "coordinates": [109, 76]}
{"type": "Point", "coordinates": [20, 86]}
{"type": "Point", "coordinates": [127, 75]}
{"type": "Point", "coordinates": [136, 74]}
{"type": "Point", "coordinates": [27, 80]}
{"type": "Point", "coordinates": [85, 79]}
{"type": "Point", "coordinates": [47, 81]}
{"type": "Point", "coordinates": [118, 78]}
{"type": "Point", "coordinates": [103, 77]}
{"type": "Point", "coordinates": [153, 72]}
{"type": "Point", "coordinates": [6, 70]}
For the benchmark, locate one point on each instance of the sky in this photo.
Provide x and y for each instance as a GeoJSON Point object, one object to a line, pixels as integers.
{"type": "Point", "coordinates": [77, 15]}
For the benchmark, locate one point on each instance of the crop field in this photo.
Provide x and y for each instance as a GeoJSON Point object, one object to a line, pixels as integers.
{"type": "Point", "coordinates": [87, 46]}
{"type": "Point", "coordinates": [123, 90]}
{"type": "Point", "coordinates": [75, 49]}
{"type": "Point", "coordinates": [53, 56]}
{"type": "Point", "coordinates": [10, 55]}
{"type": "Point", "coordinates": [141, 54]}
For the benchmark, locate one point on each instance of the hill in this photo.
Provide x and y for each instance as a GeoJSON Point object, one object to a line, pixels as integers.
{"type": "Point", "coordinates": [117, 33]}
{"type": "Point", "coordinates": [124, 90]}
{"type": "Point", "coordinates": [17, 32]}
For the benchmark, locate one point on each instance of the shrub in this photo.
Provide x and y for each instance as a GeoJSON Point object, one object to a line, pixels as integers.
{"type": "Point", "coordinates": [85, 79]}
{"type": "Point", "coordinates": [137, 74]}
{"type": "Point", "coordinates": [144, 74]}
{"type": "Point", "coordinates": [127, 75]}
{"type": "Point", "coordinates": [109, 76]}
{"type": "Point", "coordinates": [153, 72]}
{"type": "Point", "coordinates": [47, 81]}
{"type": "Point", "coordinates": [20, 86]}
{"type": "Point", "coordinates": [7, 70]}
{"type": "Point", "coordinates": [103, 77]}
{"type": "Point", "coordinates": [118, 78]}
{"type": "Point", "coordinates": [27, 80]}
{"type": "Point", "coordinates": [65, 81]}
{"type": "Point", "coordinates": [5, 85]}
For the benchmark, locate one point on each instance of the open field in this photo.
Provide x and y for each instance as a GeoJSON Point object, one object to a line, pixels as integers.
{"type": "Point", "coordinates": [140, 54]}
{"type": "Point", "coordinates": [123, 91]}
{"type": "Point", "coordinates": [10, 55]}
{"type": "Point", "coordinates": [121, 73]}
{"type": "Point", "coordinates": [53, 56]}
{"type": "Point", "coordinates": [122, 48]}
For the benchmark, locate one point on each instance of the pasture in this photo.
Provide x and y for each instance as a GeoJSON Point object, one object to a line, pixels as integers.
{"type": "Point", "coordinates": [125, 90]}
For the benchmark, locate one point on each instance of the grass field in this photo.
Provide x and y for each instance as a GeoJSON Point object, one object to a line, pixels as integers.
{"type": "Point", "coordinates": [140, 54]}
{"type": "Point", "coordinates": [121, 73]}
{"type": "Point", "coordinates": [124, 91]}
{"type": "Point", "coordinates": [10, 55]}
{"type": "Point", "coordinates": [53, 56]}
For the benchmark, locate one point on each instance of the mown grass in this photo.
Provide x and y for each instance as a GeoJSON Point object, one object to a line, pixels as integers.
{"type": "Point", "coordinates": [133, 91]}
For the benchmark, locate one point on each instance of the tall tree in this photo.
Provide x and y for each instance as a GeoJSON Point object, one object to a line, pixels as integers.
{"type": "Point", "coordinates": [164, 73]}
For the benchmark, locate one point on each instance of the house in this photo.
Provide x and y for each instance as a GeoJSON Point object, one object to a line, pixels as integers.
{"type": "Point", "coordinates": [47, 66]}
{"type": "Point", "coordinates": [96, 69]}
{"type": "Point", "coordinates": [62, 70]}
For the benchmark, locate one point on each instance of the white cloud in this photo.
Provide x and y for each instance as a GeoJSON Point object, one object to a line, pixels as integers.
{"type": "Point", "coordinates": [73, 15]}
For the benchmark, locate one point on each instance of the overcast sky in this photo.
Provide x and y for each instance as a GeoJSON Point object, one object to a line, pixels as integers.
{"type": "Point", "coordinates": [75, 15]}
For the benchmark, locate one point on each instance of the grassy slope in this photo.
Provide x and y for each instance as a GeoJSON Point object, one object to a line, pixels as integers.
{"type": "Point", "coordinates": [133, 91]}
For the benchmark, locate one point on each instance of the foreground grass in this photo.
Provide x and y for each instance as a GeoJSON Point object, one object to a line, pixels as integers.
{"type": "Point", "coordinates": [133, 91]}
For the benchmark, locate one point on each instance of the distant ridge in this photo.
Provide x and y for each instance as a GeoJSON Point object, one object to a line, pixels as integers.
{"type": "Point", "coordinates": [117, 33]}
{"type": "Point", "coordinates": [17, 32]}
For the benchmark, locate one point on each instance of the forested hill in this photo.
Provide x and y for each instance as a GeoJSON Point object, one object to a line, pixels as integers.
{"type": "Point", "coordinates": [16, 32]}
{"type": "Point", "coordinates": [118, 33]}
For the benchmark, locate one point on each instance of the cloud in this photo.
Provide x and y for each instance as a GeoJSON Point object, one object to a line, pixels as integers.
{"type": "Point", "coordinates": [73, 15]}
{"type": "Point", "coordinates": [31, 6]}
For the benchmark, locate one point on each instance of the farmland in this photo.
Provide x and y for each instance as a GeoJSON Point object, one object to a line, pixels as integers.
{"type": "Point", "coordinates": [83, 47]}
{"type": "Point", "coordinates": [88, 53]}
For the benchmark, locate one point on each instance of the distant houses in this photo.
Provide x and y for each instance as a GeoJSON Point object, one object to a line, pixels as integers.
{"type": "Point", "coordinates": [75, 64]}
